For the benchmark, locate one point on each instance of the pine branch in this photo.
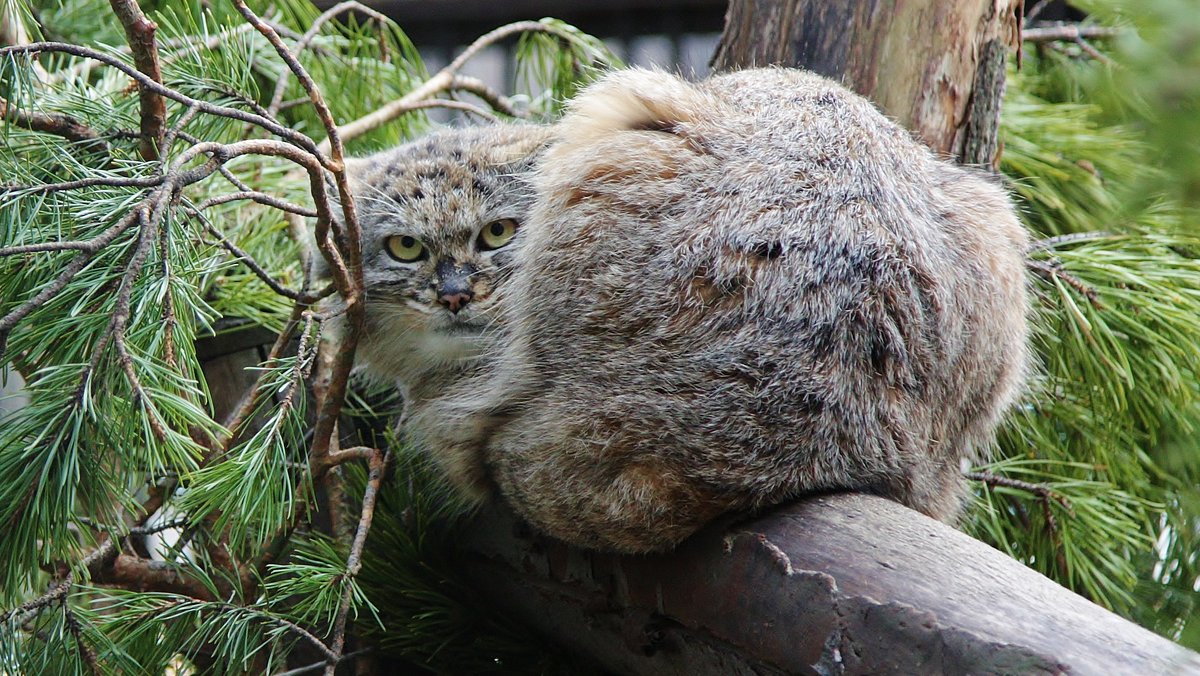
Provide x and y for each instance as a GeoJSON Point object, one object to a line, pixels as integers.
{"type": "Point", "coordinates": [300, 140]}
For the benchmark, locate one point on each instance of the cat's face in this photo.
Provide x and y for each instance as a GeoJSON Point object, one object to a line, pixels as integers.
{"type": "Point", "coordinates": [440, 222]}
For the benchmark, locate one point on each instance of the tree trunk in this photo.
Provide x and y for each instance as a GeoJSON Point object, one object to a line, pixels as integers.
{"type": "Point", "coordinates": [839, 584]}
{"type": "Point", "coordinates": [936, 66]}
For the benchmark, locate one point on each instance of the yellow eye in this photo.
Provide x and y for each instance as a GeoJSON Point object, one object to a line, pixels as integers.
{"type": "Point", "coordinates": [404, 248]}
{"type": "Point", "coordinates": [497, 233]}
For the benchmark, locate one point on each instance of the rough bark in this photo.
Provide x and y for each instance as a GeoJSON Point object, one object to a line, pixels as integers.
{"type": "Point", "coordinates": [918, 60]}
{"type": "Point", "coordinates": [840, 584]}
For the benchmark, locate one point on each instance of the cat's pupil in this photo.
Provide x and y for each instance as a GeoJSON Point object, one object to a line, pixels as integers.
{"type": "Point", "coordinates": [497, 228]}
{"type": "Point", "coordinates": [407, 242]}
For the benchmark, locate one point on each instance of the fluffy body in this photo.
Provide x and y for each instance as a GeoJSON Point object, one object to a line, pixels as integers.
{"type": "Point", "coordinates": [731, 293]}
{"type": "Point", "coordinates": [441, 191]}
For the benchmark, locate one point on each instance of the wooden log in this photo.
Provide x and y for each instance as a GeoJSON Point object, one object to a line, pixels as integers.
{"type": "Point", "coordinates": [918, 60]}
{"type": "Point", "coordinates": [838, 584]}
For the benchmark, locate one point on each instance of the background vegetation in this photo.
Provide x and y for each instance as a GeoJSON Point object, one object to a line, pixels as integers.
{"type": "Point", "coordinates": [144, 524]}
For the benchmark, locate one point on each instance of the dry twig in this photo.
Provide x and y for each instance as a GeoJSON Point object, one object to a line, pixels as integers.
{"type": "Point", "coordinates": [379, 465]}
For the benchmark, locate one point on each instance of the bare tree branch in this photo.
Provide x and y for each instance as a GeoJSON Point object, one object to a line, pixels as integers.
{"type": "Point", "coordinates": [139, 32]}
{"type": "Point", "coordinates": [259, 197]}
{"type": "Point", "coordinates": [493, 98]}
{"type": "Point", "coordinates": [1068, 32]}
{"type": "Point", "coordinates": [379, 464]}
{"type": "Point", "coordinates": [1035, 11]}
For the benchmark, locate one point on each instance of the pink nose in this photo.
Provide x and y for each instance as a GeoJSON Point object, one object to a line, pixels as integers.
{"type": "Point", "coordinates": [455, 301]}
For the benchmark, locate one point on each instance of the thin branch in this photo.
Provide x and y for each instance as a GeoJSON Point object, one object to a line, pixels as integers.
{"type": "Point", "coordinates": [379, 464]}
{"type": "Point", "coordinates": [237, 182]}
{"type": "Point", "coordinates": [1068, 33]}
{"type": "Point", "coordinates": [381, 116]}
{"type": "Point", "coordinates": [142, 530]}
{"type": "Point", "coordinates": [308, 636]}
{"type": "Point", "coordinates": [317, 666]}
{"type": "Point", "coordinates": [177, 130]}
{"type": "Point", "coordinates": [139, 32]}
{"type": "Point", "coordinates": [275, 128]}
{"type": "Point", "coordinates": [257, 269]}
{"type": "Point", "coordinates": [492, 37]}
{"type": "Point", "coordinates": [1035, 11]}
{"type": "Point", "coordinates": [1052, 270]}
{"type": "Point", "coordinates": [1092, 51]}
{"type": "Point", "coordinates": [49, 291]}
{"type": "Point", "coordinates": [479, 88]}
{"type": "Point", "coordinates": [57, 592]}
{"type": "Point", "coordinates": [239, 416]}
{"type": "Point", "coordinates": [261, 198]}
{"type": "Point", "coordinates": [310, 34]}
{"type": "Point", "coordinates": [1045, 495]}
{"type": "Point", "coordinates": [107, 181]}
{"type": "Point", "coordinates": [314, 94]}
{"type": "Point", "coordinates": [76, 629]}
{"type": "Point", "coordinates": [1041, 491]}
{"type": "Point", "coordinates": [348, 454]}
{"type": "Point", "coordinates": [1069, 238]}
{"type": "Point", "coordinates": [450, 104]}
{"type": "Point", "coordinates": [283, 622]}
{"type": "Point", "coordinates": [442, 81]}
{"type": "Point", "coordinates": [87, 246]}
{"type": "Point", "coordinates": [170, 321]}
{"type": "Point", "coordinates": [150, 222]}
{"type": "Point", "coordinates": [57, 124]}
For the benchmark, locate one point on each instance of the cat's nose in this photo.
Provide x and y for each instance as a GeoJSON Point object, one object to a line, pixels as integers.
{"type": "Point", "coordinates": [455, 301]}
{"type": "Point", "coordinates": [454, 284]}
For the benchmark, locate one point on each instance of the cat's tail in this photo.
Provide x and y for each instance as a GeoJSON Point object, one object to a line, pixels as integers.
{"type": "Point", "coordinates": [636, 100]}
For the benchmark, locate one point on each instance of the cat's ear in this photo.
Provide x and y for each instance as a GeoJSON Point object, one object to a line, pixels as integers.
{"type": "Point", "coordinates": [522, 145]}
{"type": "Point", "coordinates": [354, 167]}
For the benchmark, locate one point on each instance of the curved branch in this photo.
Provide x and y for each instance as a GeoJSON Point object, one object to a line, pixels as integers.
{"type": "Point", "coordinates": [311, 33]}
{"type": "Point", "coordinates": [493, 98]}
{"type": "Point", "coordinates": [442, 81]}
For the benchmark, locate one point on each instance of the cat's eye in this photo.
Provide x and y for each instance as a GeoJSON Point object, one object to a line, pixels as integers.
{"type": "Point", "coordinates": [497, 233]}
{"type": "Point", "coordinates": [405, 248]}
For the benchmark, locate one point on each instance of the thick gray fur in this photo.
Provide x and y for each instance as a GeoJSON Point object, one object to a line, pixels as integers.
{"type": "Point", "coordinates": [728, 294]}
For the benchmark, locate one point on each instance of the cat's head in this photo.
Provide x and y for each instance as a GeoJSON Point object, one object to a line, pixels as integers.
{"type": "Point", "coordinates": [440, 220]}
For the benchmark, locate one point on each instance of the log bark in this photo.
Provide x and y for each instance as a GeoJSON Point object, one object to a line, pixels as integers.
{"type": "Point", "coordinates": [930, 64]}
{"type": "Point", "coordinates": [839, 584]}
